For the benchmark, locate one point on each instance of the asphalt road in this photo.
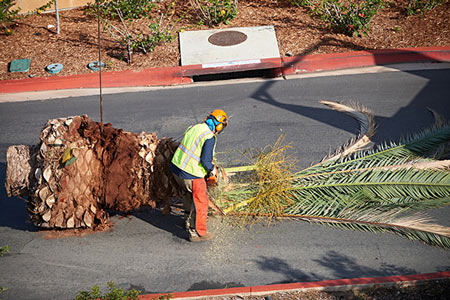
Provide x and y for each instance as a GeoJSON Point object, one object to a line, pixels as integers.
{"type": "Point", "coordinates": [149, 252]}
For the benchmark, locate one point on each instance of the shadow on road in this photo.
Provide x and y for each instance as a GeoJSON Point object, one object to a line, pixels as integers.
{"type": "Point", "coordinates": [390, 128]}
{"type": "Point", "coordinates": [341, 266]}
{"type": "Point", "coordinates": [280, 266]}
{"type": "Point", "coordinates": [212, 285]}
{"type": "Point", "coordinates": [13, 213]}
{"type": "Point", "coordinates": [173, 223]}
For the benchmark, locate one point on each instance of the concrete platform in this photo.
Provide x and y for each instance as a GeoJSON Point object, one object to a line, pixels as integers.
{"type": "Point", "coordinates": [228, 47]}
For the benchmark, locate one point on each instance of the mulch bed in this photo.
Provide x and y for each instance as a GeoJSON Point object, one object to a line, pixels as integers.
{"type": "Point", "coordinates": [298, 33]}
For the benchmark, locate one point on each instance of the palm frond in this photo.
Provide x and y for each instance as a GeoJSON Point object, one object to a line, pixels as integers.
{"type": "Point", "coordinates": [373, 190]}
{"type": "Point", "coordinates": [443, 152]}
{"type": "Point", "coordinates": [439, 119]}
{"type": "Point", "coordinates": [331, 195]}
{"type": "Point", "coordinates": [409, 149]}
{"type": "Point", "coordinates": [435, 164]}
{"type": "Point", "coordinates": [367, 128]}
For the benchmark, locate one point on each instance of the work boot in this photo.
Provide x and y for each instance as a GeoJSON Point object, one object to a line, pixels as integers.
{"type": "Point", "coordinates": [194, 237]}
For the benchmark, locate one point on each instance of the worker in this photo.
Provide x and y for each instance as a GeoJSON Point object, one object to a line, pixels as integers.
{"type": "Point", "coordinates": [193, 167]}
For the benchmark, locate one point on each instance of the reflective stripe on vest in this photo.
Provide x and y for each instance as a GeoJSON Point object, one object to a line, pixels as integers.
{"type": "Point", "coordinates": [187, 156]}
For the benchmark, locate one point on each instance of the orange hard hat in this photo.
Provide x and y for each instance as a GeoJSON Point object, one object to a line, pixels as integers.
{"type": "Point", "coordinates": [220, 118]}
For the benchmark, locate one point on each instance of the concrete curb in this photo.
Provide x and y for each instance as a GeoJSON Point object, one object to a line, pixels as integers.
{"type": "Point", "coordinates": [166, 76]}
{"type": "Point", "coordinates": [340, 284]}
{"type": "Point", "coordinates": [327, 62]}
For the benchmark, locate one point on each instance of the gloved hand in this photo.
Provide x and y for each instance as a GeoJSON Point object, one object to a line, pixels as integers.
{"type": "Point", "coordinates": [211, 177]}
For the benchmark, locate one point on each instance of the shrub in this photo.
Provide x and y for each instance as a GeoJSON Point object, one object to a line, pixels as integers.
{"type": "Point", "coordinates": [114, 293]}
{"type": "Point", "coordinates": [421, 6]}
{"type": "Point", "coordinates": [301, 2]}
{"type": "Point", "coordinates": [44, 7]}
{"type": "Point", "coordinates": [130, 9]}
{"type": "Point", "coordinates": [4, 250]}
{"type": "Point", "coordinates": [8, 15]}
{"type": "Point", "coordinates": [351, 17]}
{"type": "Point", "coordinates": [158, 32]}
{"type": "Point", "coordinates": [3, 289]}
{"type": "Point", "coordinates": [214, 12]}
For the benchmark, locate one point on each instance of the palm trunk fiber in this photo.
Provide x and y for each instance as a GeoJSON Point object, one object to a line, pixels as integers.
{"type": "Point", "coordinates": [76, 172]}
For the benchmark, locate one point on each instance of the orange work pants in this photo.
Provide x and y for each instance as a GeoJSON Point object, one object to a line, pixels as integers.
{"type": "Point", "coordinates": [201, 200]}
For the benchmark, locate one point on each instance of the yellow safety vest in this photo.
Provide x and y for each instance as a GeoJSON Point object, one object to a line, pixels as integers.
{"type": "Point", "coordinates": [187, 156]}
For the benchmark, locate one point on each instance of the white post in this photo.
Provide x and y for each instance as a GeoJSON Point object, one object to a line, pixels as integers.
{"type": "Point", "coordinates": [57, 16]}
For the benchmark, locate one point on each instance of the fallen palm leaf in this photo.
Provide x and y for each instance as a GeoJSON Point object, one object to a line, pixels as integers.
{"type": "Point", "coordinates": [354, 189]}
{"type": "Point", "coordinates": [367, 127]}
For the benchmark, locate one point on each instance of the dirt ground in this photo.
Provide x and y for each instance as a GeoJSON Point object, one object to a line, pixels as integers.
{"type": "Point", "coordinates": [298, 33]}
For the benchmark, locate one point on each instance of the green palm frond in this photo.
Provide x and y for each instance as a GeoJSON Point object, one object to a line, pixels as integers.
{"type": "Point", "coordinates": [409, 149]}
{"type": "Point", "coordinates": [372, 184]}
{"type": "Point", "coordinates": [377, 190]}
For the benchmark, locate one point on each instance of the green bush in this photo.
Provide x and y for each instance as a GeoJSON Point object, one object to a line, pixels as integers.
{"type": "Point", "coordinates": [351, 17]}
{"type": "Point", "coordinates": [159, 31]}
{"type": "Point", "coordinates": [301, 2]}
{"type": "Point", "coordinates": [113, 293]}
{"type": "Point", "coordinates": [421, 6]}
{"type": "Point", "coordinates": [3, 289]}
{"type": "Point", "coordinates": [8, 15]}
{"type": "Point", "coordinates": [4, 250]}
{"type": "Point", "coordinates": [130, 9]}
{"type": "Point", "coordinates": [44, 7]}
{"type": "Point", "coordinates": [214, 12]}
{"type": "Point", "coordinates": [147, 42]}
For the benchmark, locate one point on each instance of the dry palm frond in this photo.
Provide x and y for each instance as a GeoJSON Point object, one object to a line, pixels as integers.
{"type": "Point", "coordinates": [437, 164]}
{"type": "Point", "coordinates": [443, 152]}
{"type": "Point", "coordinates": [268, 187]}
{"type": "Point", "coordinates": [439, 120]}
{"type": "Point", "coordinates": [421, 164]}
{"type": "Point", "coordinates": [367, 127]}
{"type": "Point", "coordinates": [364, 190]}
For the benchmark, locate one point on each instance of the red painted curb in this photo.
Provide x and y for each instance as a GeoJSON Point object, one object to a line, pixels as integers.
{"type": "Point", "coordinates": [182, 74]}
{"type": "Point", "coordinates": [129, 78]}
{"type": "Point", "coordinates": [269, 289]}
{"type": "Point", "coordinates": [335, 61]}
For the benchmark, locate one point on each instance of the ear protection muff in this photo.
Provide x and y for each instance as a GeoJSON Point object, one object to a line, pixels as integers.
{"type": "Point", "coordinates": [218, 126]}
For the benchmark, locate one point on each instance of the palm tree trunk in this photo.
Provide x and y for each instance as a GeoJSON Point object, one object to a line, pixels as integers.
{"type": "Point", "coordinates": [76, 173]}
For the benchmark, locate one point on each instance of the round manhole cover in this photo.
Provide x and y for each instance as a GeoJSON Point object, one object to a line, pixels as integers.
{"type": "Point", "coordinates": [227, 38]}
